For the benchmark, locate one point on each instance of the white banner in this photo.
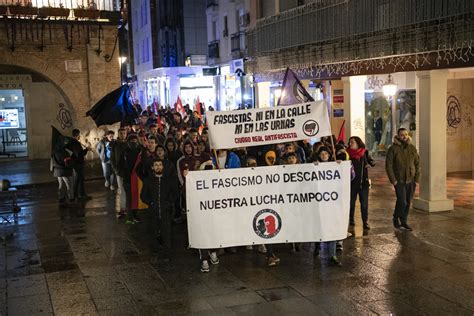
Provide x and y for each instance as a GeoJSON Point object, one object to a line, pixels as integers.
{"type": "Point", "coordinates": [265, 205]}
{"type": "Point", "coordinates": [232, 129]}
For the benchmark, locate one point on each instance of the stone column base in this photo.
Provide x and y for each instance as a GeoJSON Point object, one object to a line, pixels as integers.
{"type": "Point", "coordinates": [433, 206]}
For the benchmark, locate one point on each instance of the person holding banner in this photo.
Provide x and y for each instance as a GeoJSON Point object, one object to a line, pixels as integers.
{"type": "Point", "coordinates": [324, 155]}
{"type": "Point", "coordinates": [225, 159]}
{"type": "Point", "coordinates": [361, 160]}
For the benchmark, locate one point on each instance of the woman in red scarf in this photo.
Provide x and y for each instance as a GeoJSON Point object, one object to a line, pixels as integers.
{"type": "Point", "coordinates": [361, 160]}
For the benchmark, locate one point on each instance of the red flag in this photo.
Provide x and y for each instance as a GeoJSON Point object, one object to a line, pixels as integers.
{"type": "Point", "coordinates": [197, 107]}
{"type": "Point", "coordinates": [179, 107]}
{"type": "Point", "coordinates": [342, 133]}
{"type": "Point", "coordinates": [158, 118]}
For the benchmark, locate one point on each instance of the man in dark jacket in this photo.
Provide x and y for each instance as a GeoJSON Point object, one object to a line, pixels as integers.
{"type": "Point", "coordinates": [78, 154]}
{"type": "Point", "coordinates": [127, 166]}
{"type": "Point", "coordinates": [403, 169]}
{"type": "Point", "coordinates": [159, 190]}
{"type": "Point", "coordinates": [118, 148]}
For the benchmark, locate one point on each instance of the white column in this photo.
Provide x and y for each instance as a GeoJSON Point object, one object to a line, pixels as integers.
{"type": "Point", "coordinates": [432, 141]}
{"type": "Point", "coordinates": [354, 105]}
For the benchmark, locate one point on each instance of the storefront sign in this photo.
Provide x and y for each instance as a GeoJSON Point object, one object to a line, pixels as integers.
{"type": "Point", "coordinates": [338, 99]}
{"type": "Point", "coordinates": [266, 205]}
{"type": "Point", "coordinates": [338, 112]}
{"type": "Point", "coordinates": [231, 129]}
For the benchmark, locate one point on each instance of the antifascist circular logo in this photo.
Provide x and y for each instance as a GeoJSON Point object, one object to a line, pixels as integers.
{"type": "Point", "coordinates": [310, 128]}
{"type": "Point", "coordinates": [267, 223]}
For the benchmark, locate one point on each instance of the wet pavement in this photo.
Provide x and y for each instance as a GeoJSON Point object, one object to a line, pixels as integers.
{"type": "Point", "coordinates": [81, 260]}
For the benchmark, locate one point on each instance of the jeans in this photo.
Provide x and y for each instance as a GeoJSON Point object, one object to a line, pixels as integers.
{"type": "Point", "coordinates": [404, 192]}
{"type": "Point", "coordinates": [78, 186]}
{"type": "Point", "coordinates": [121, 196]}
{"type": "Point", "coordinates": [162, 225]}
{"type": "Point", "coordinates": [363, 194]}
{"type": "Point", "coordinates": [331, 248]}
{"type": "Point", "coordinates": [109, 174]}
{"type": "Point", "coordinates": [65, 188]}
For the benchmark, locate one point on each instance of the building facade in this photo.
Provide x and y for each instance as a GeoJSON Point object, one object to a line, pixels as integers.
{"type": "Point", "coordinates": [55, 63]}
{"type": "Point", "coordinates": [227, 21]}
{"type": "Point", "coordinates": [344, 52]}
{"type": "Point", "coordinates": [169, 50]}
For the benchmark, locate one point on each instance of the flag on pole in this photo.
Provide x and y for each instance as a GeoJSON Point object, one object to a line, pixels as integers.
{"type": "Point", "coordinates": [197, 107]}
{"type": "Point", "coordinates": [292, 90]}
{"type": "Point", "coordinates": [114, 107]}
{"type": "Point", "coordinates": [158, 118]}
{"type": "Point", "coordinates": [342, 133]}
{"type": "Point", "coordinates": [136, 185]}
{"type": "Point", "coordinates": [179, 107]}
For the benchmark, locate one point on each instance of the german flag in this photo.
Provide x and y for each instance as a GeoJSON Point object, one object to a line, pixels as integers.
{"type": "Point", "coordinates": [136, 188]}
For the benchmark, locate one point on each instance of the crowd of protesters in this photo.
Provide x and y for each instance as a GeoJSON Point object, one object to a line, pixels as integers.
{"type": "Point", "coordinates": [147, 163]}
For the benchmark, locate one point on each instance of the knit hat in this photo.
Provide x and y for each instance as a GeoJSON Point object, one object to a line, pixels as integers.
{"type": "Point", "coordinates": [324, 148]}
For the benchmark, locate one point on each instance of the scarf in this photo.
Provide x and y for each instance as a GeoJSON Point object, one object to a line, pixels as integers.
{"type": "Point", "coordinates": [356, 154]}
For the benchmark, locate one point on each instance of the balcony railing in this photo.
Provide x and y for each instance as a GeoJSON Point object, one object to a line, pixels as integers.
{"type": "Point", "coordinates": [213, 49]}
{"type": "Point", "coordinates": [29, 7]}
{"type": "Point", "coordinates": [328, 20]}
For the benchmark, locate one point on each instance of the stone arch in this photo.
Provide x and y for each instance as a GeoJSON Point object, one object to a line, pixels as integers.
{"type": "Point", "coordinates": [50, 70]}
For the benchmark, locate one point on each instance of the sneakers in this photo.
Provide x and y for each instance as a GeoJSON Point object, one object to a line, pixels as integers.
{"type": "Point", "coordinates": [366, 226]}
{"type": "Point", "coordinates": [335, 261]}
{"type": "Point", "coordinates": [273, 261]}
{"type": "Point", "coordinates": [405, 226]}
{"type": "Point", "coordinates": [205, 266]}
{"type": "Point", "coordinates": [213, 257]}
{"type": "Point", "coordinates": [396, 222]}
{"type": "Point", "coordinates": [262, 249]}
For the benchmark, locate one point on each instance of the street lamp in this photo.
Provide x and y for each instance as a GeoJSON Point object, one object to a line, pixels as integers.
{"type": "Point", "coordinates": [389, 88]}
{"type": "Point", "coordinates": [122, 60]}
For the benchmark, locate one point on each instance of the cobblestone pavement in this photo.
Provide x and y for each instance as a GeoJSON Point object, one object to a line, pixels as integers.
{"type": "Point", "coordinates": [81, 260]}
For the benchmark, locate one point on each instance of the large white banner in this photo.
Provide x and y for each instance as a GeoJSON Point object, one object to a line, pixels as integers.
{"type": "Point", "coordinates": [232, 129]}
{"type": "Point", "coordinates": [265, 205]}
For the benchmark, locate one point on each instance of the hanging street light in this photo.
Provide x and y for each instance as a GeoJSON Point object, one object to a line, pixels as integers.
{"type": "Point", "coordinates": [389, 88]}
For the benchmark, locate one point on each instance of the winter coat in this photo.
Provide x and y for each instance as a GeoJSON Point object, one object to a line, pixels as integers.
{"type": "Point", "coordinates": [128, 160]}
{"type": "Point", "coordinates": [58, 166]}
{"type": "Point", "coordinates": [174, 155]}
{"type": "Point", "coordinates": [102, 148]}
{"type": "Point", "coordinates": [402, 162]}
{"type": "Point", "coordinates": [189, 162]}
{"type": "Point", "coordinates": [117, 151]}
{"type": "Point", "coordinates": [232, 161]}
{"type": "Point", "coordinates": [165, 196]}
{"type": "Point", "coordinates": [361, 172]}
{"type": "Point", "coordinates": [78, 153]}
